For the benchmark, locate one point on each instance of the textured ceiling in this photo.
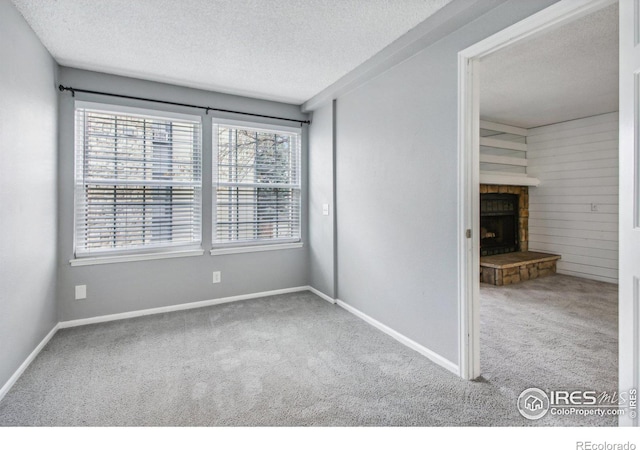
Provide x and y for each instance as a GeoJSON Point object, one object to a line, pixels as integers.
{"type": "Point", "coordinates": [567, 73]}
{"type": "Point", "coordinates": [284, 50]}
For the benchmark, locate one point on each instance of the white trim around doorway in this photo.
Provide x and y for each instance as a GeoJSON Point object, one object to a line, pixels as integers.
{"type": "Point", "coordinates": [469, 166]}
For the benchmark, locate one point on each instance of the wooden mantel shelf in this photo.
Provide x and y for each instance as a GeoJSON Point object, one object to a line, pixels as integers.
{"type": "Point", "coordinates": [511, 179]}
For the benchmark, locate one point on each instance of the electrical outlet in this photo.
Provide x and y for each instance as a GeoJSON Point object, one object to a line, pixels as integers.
{"type": "Point", "coordinates": [217, 277]}
{"type": "Point", "coordinates": [325, 209]}
{"type": "Point", "coordinates": [81, 292]}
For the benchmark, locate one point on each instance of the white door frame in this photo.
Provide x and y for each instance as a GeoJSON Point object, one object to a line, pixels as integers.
{"type": "Point", "coordinates": [469, 164]}
{"type": "Point", "coordinates": [629, 210]}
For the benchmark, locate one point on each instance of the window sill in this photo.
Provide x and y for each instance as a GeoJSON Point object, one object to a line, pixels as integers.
{"type": "Point", "coordinates": [92, 260]}
{"type": "Point", "coordinates": [255, 248]}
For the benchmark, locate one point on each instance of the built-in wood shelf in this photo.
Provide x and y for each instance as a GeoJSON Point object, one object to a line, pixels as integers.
{"type": "Point", "coordinates": [503, 155]}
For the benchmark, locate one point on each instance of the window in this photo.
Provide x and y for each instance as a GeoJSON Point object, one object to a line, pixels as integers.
{"type": "Point", "coordinates": [256, 178]}
{"type": "Point", "coordinates": [138, 181]}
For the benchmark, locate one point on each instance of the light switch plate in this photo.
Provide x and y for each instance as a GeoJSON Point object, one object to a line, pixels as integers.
{"type": "Point", "coordinates": [325, 209]}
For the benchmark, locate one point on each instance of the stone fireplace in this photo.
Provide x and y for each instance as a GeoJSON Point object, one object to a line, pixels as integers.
{"type": "Point", "coordinates": [504, 219]}
{"type": "Point", "coordinates": [504, 230]}
{"type": "Point", "coordinates": [498, 224]}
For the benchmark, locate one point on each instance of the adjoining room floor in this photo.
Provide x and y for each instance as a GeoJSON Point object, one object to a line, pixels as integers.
{"type": "Point", "coordinates": [297, 360]}
{"type": "Point", "coordinates": [553, 333]}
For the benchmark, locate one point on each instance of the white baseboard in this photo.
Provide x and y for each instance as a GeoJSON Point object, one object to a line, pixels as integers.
{"type": "Point", "coordinates": [164, 309]}
{"type": "Point", "coordinates": [180, 307]}
{"type": "Point", "coordinates": [322, 295]}
{"type": "Point", "coordinates": [18, 373]}
{"type": "Point", "coordinates": [587, 276]}
{"type": "Point", "coordinates": [144, 312]}
{"type": "Point", "coordinates": [433, 356]}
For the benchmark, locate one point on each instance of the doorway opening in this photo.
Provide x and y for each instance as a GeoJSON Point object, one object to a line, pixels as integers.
{"type": "Point", "coordinates": [512, 141]}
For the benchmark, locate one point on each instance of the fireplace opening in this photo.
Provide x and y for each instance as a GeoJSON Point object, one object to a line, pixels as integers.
{"type": "Point", "coordinates": [498, 224]}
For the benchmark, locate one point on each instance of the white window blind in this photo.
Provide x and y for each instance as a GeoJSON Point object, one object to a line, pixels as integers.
{"type": "Point", "coordinates": [138, 180]}
{"type": "Point", "coordinates": [256, 177]}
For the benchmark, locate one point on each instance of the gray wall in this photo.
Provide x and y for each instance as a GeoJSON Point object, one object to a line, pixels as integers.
{"type": "Point", "coordinates": [130, 286]}
{"type": "Point", "coordinates": [28, 135]}
{"type": "Point", "coordinates": [321, 191]}
{"type": "Point", "coordinates": [397, 189]}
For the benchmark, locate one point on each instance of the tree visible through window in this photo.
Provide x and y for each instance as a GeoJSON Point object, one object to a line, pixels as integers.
{"type": "Point", "coordinates": [256, 184]}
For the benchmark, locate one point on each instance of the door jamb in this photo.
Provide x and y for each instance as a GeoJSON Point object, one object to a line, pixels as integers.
{"type": "Point", "coordinates": [469, 166]}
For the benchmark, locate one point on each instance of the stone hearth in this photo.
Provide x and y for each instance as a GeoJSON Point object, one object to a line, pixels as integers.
{"type": "Point", "coordinates": [522, 265]}
{"type": "Point", "coordinates": [512, 268]}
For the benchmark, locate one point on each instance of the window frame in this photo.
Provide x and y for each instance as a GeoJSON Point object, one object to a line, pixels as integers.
{"type": "Point", "coordinates": [223, 248]}
{"type": "Point", "coordinates": [153, 251]}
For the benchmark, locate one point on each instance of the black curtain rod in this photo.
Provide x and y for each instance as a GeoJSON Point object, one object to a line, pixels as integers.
{"type": "Point", "coordinates": [206, 108]}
